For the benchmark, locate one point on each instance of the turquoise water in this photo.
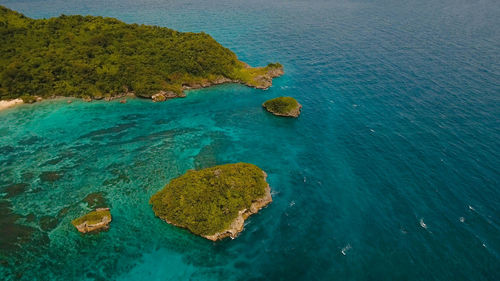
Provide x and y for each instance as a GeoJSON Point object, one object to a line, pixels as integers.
{"type": "Point", "coordinates": [390, 173]}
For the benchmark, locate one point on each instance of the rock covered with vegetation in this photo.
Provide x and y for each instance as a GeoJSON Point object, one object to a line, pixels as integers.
{"type": "Point", "coordinates": [283, 106]}
{"type": "Point", "coordinates": [213, 202]}
{"type": "Point", "coordinates": [95, 58]}
{"type": "Point", "coordinates": [94, 221]}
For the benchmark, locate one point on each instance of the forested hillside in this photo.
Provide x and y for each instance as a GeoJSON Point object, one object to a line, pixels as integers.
{"type": "Point", "coordinates": [87, 56]}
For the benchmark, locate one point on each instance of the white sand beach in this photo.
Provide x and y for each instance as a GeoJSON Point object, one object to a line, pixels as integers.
{"type": "Point", "coordinates": [4, 104]}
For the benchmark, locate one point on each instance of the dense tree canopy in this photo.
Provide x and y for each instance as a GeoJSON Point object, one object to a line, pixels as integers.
{"type": "Point", "coordinates": [97, 57]}
{"type": "Point", "coordinates": [207, 201]}
{"type": "Point", "coordinates": [283, 106]}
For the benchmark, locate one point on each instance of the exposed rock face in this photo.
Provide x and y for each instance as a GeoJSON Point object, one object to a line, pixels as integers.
{"type": "Point", "coordinates": [164, 95]}
{"type": "Point", "coordinates": [94, 221]}
{"type": "Point", "coordinates": [207, 83]}
{"type": "Point", "coordinates": [263, 81]}
{"type": "Point", "coordinates": [238, 224]}
{"type": "Point", "coordinates": [266, 80]}
{"type": "Point", "coordinates": [293, 113]}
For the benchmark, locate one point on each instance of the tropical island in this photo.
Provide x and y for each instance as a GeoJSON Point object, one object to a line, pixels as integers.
{"type": "Point", "coordinates": [94, 221]}
{"type": "Point", "coordinates": [213, 202]}
{"type": "Point", "coordinates": [283, 106]}
{"type": "Point", "coordinates": [103, 58]}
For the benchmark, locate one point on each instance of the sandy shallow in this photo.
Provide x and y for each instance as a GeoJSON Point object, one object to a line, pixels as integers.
{"type": "Point", "coordinates": [4, 104]}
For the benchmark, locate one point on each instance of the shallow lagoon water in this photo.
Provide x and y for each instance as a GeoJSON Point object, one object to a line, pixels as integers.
{"type": "Point", "coordinates": [391, 172]}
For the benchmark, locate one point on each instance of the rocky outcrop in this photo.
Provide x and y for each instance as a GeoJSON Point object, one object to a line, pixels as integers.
{"type": "Point", "coordinates": [292, 113]}
{"type": "Point", "coordinates": [97, 220]}
{"type": "Point", "coordinates": [165, 95]}
{"type": "Point", "coordinates": [238, 224]}
{"type": "Point", "coordinates": [265, 80]}
{"type": "Point", "coordinates": [260, 81]}
{"type": "Point", "coordinates": [207, 83]}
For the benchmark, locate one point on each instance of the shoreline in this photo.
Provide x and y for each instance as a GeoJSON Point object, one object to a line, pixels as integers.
{"type": "Point", "coordinates": [238, 224]}
{"type": "Point", "coordinates": [265, 82]}
{"type": "Point", "coordinates": [5, 104]}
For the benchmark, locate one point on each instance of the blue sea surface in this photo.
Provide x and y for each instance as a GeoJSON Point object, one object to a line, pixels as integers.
{"type": "Point", "coordinates": [392, 171]}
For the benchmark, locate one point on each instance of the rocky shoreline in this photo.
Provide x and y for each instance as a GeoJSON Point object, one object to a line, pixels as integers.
{"type": "Point", "coordinates": [294, 113]}
{"type": "Point", "coordinates": [262, 82]}
{"type": "Point", "coordinates": [97, 220]}
{"type": "Point", "coordinates": [238, 224]}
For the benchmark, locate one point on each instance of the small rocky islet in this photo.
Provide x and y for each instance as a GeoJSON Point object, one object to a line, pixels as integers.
{"type": "Point", "coordinates": [283, 106]}
{"type": "Point", "coordinates": [213, 202]}
{"type": "Point", "coordinates": [94, 221]}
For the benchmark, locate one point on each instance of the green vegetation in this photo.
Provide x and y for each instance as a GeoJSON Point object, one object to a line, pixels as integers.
{"type": "Point", "coordinates": [96, 57]}
{"type": "Point", "coordinates": [286, 106]}
{"type": "Point", "coordinates": [92, 217]}
{"type": "Point", "coordinates": [207, 201]}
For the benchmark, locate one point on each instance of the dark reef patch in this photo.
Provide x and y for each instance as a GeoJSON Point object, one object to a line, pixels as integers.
{"type": "Point", "coordinates": [30, 140]}
{"type": "Point", "coordinates": [30, 217]}
{"type": "Point", "coordinates": [120, 178]}
{"type": "Point", "coordinates": [133, 117]}
{"type": "Point", "coordinates": [62, 212]}
{"type": "Point", "coordinates": [207, 156]}
{"type": "Point", "coordinates": [96, 200]}
{"type": "Point", "coordinates": [112, 130]}
{"type": "Point", "coordinates": [7, 149]}
{"type": "Point", "coordinates": [163, 121]}
{"type": "Point", "coordinates": [47, 223]}
{"type": "Point", "coordinates": [27, 176]}
{"type": "Point", "coordinates": [50, 176]}
{"type": "Point", "coordinates": [53, 161]}
{"type": "Point", "coordinates": [12, 234]}
{"type": "Point", "coordinates": [161, 134]}
{"type": "Point", "coordinates": [15, 189]}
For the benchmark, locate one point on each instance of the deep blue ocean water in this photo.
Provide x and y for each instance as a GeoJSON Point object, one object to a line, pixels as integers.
{"type": "Point", "coordinates": [390, 173]}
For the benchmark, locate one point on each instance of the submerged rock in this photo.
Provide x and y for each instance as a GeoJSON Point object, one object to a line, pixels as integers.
{"type": "Point", "coordinates": [213, 202]}
{"type": "Point", "coordinates": [163, 96]}
{"type": "Point", "coordinates": [95, 200]}
{"type": "Point", "coordinates": [50, 176]}
{"type": "Point", "coordinates": [13, 234]}
{"type": "Point", "coordinates": [47, 223]}
{"type": "Point", "coordinates": [97, 220]}
{"type": "Point", "coordinates": [15, 189]}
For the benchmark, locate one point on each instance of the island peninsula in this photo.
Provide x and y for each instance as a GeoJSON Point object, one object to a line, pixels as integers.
{"type": "Point", "coordinates": [103, 58]}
